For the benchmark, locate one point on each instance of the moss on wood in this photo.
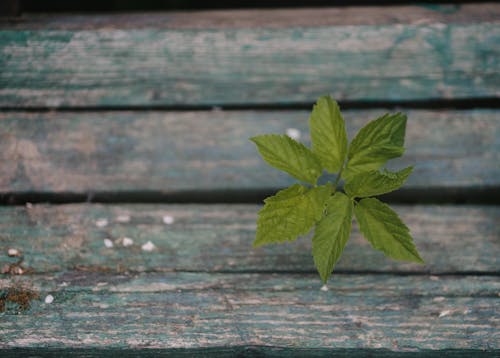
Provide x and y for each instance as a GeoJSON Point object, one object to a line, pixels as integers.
{"type": "Point", "coordinates": [16, 300]}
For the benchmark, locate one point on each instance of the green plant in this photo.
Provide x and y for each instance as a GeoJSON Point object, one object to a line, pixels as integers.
{"type": "Point", "coordinates": [295, 210]}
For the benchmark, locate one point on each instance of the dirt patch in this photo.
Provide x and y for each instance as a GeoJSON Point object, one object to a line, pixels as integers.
{"type": "Point", "coordinates": [16, 268]}
{"type": "Point", "coordinates": [19, 299]}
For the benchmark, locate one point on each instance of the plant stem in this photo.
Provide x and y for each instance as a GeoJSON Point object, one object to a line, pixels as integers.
{"type": "Point", "coordinates": [337, 180]}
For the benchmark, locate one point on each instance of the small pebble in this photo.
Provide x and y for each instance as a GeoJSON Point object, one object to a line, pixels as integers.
{"type": "Point", "coordinates": [17, 270]}
{"type": "Point", "coordinates": [29, 206]}
{"type": "Point", "coordinates": [324, 288]}
{"type": "Point", "coordinates": [13, 252]}
{"type": "Point", "coordinates": [148, 246]}
{"type": "Point", "coordinates": [444, 313]}
{"type": "Point", "coordinates": [49, 299]}
{"type": "Point", "coordinates": [123, 218]}
{"type": "Point", "coordinates": [439, 299]}
{"type": "Point", "coordinates": [167, 219]}
{"type": "Point", "coordinates": [101, 222]}
{"type": "Point", "coordinates": [108, 243]}
{"type": "Point", "coordinates": [293, 133]}
{"type": "Point", "coordinates": [127, 241]}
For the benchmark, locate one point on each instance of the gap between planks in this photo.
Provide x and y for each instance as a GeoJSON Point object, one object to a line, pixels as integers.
{"type": "Point", "coordinates": [428, 104]}
{"type": "Point", "coordinates": [263, 18]}
{"type": "Point", "coordinates": [243, 351]}
{"type": "Point", "coordinates": [443, 196]}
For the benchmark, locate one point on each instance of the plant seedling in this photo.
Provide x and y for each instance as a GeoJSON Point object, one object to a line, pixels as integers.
{"type": "Point", "coordinates": [293, 211]}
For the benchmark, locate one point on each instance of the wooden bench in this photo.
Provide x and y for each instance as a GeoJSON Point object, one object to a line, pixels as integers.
{"type": "Point", "coordinates": [136, 126]}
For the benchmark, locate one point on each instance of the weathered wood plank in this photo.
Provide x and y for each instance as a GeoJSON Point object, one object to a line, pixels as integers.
{"type": "Point", "coordinates": [399, 314]}
{"type": "Point", "coordinates": [261, 18]}
{"type": "Point", "coordinates": [174, 152]}
{"type": "Point", "coordinates": [451, 239]}
{"type": "Point", "coordinates": [426, 59]}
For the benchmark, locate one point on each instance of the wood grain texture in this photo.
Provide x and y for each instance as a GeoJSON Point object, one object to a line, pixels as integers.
{"type": "Point", "coordinates": [250, 66]}
{"type": "Point", "coordinates": [218, 238]}
{"type": "Point", "coordinates": [173, 152]}
{"type": "Point", "coordinates": [261, 18]}
{"type": "Point", "coordinates": [182, 310]}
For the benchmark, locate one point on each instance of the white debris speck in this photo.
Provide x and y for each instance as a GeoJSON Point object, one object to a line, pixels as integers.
{"type": "Point", "coordinates": [49, 299]}
{"type": "Point", "coordinates": [17, 270]}
{"type": "Point", "coordinates": [434, 278]}
{"type": "Point", "coordinates": [108, 243]}
{"type": "Point", "coordinates": [63, 284]}
{"type": "Point", "coordinates": [13, 252]}
{"type": "Point", "coordinates": [293, 133]}
{"type": "Point", "coordinates": [439, 299]}
{"type": "Point", "coordinates": [324, 288]}
{"type": "Point", "coordinates": [148, 246]}
{"type": "Point", "coordinates": [101, 222]}
{"type": "Point", "coordinates": [29, 206]}
{"type": "Point", "coordinates": [167, 219]}
{"type": "Point", "coordinates": [444, 313]}
{"type": "Point", "coordinates": [127, 241]}
{"type": "Point", "coordinates": [123, 218]}
{"type": "Point", "coordinates": [440, 25]}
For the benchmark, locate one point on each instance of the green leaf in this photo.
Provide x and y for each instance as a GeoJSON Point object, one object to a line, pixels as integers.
{"type": "Point", "coordinates": [382, 227]}
{"type": "Point", "coordinates": [290, 213]}
{"type": "Point", "coordinates": [284, 153]}
{"type": "Point", "coordinates": [375, 183]}
{"type": "Point", "coordinates": [331, 234]}
{"type": "Point", "coordinates": [328, 134]}
{"type": "Point", "coordinates": [376, 143]}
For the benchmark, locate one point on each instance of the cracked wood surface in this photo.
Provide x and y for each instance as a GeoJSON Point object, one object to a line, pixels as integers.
{"type": "Point", "coordinates": [176, 152]}
{"type": "Point", "coordinates": [192, 310]}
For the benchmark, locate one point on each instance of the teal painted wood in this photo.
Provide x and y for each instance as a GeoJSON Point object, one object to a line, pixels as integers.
{"type": "Point", "coordinates": [249, 66]}
{"type": "Point", "coordinates": [183, 310]}
{"type": "Point", "coordinates": [218, 238]}
{"type": "Point", "coordinates": [175, 152]}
